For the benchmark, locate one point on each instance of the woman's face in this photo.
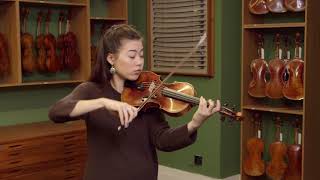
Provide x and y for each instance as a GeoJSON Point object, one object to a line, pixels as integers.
{"type": "Point", "coordinates": [129, 60]}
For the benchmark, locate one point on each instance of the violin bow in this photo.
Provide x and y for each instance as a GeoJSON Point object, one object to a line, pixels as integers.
{"type": "Point", "coordinates": [193, 50]}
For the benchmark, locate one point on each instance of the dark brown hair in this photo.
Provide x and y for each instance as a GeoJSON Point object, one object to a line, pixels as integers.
{"type": "Point", "coordinates": [110, 42]}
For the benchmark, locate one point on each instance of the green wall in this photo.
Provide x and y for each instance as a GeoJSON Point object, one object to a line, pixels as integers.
{"type": "Point", "coordinates": [217, 142]}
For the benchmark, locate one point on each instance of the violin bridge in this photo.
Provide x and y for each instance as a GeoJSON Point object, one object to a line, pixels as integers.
{"type": "Point", "coordinates": [152, 87]}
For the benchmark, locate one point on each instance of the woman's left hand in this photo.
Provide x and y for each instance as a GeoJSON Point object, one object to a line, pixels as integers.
{"type": "Point", "coordinates": [204, 111]}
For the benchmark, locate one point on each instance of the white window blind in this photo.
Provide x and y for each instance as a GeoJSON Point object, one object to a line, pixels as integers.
{"type": "Point", "coordinates": [175, 27]}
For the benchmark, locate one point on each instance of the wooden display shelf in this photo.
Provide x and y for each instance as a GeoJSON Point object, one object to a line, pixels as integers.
{"type": "Point", "coordinates": [266, 108]}
{"type": "Point", "coordinates": [96, 18]}
{"type": "Point", "coordinates": [36, 83]}
{"type": "Point", "coordinates": [54, 3]}
{"type": "Point", "coordinates": [274, 25]}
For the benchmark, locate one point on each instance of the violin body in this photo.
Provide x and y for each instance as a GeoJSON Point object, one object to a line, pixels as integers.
{"type": "Point", "coordinates": [72, 58]}
{"type": "Point", "coordinates": [295, 5]}
{"type": "Point", "coordinates": [52, 62]}
{"type": "Point", "coordinates": [4, 57]}
{"type": "Point", "coordinates": [276, 168]}
{"type": "Point", "coordinates": [276, 6]}
{"type": "Point", "coordinates": [293, 87]}
{"type": "Point", "coordinates": [253, 164]}
{"type": "Point", "coordinates": [294, 162]}
{"type": "Point", "coordinates": [41, 59]}
{"type": "Point", "coordinates": [173, 107]}
{"type": "Point", "coordinates": [258, 7]}
{"type": "Point", "coordinates": [275, 85]}
{"type": "Point", "coordinates": [28, 59]}
{"type": "Point", "coordinates": [257, 86]}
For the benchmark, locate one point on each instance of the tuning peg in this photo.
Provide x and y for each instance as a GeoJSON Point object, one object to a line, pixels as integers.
{"type": "Point", "coordinates": [225, 104]}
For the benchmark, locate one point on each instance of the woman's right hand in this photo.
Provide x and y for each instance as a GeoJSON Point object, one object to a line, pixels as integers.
{"type": "Point", "coordinates": [125, 111]}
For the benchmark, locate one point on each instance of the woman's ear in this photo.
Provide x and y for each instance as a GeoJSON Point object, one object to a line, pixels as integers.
{"type": "Point", "coordinates": [110, 58]}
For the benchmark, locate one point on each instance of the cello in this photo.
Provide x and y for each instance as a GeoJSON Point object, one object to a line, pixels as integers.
{"type": "Point", "coordinates": [258, 7]}
{"type": "Point", "coordinates": [253, 165]}
{"type": "Point", "coordinates": [276, 69]}
{"type": "Point", "coordinates": [4, 57]}
{"type": "Point", "coordinates": [293, 88]}
{"type": "Point", "coordinates": [276, 168]}
{"type": "Point", "coordinates": [258, 67]}
{"type": "Point", "coordinates": [294, 156]}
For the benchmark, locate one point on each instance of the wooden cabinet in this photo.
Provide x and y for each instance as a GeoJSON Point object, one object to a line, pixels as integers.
{"type": "Point", "coordinates": [43, 151]}
{"type": "Point", "coordinates": [306, 110]}
{"type": "Point", "coordinates": [83, 13]}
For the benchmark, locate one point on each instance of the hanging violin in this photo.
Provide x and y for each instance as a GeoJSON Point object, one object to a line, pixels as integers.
{"type": "Point", "coordinates": [276, 6]}
{"type": "Point", "coordinates": [295, 155]}
{"type": "Point", "coordinates": [253, 165]}
{"type": "Point", "coordinates": [41, 50]}
{"type": "Point", "coordinates": [276, 168]}
{"type": "Point", "coordinates": [4, 57]}
{"type": "Point", "coordinates": [258, 7]}
{"type": "Point", "coordinates": [293, 88]}
{"type": "Point", "coordinates": [276, 69]}
{"type": "Point", "coordinates": [295, 5]}
{"type": "Point", "coordinates": [258, 67]}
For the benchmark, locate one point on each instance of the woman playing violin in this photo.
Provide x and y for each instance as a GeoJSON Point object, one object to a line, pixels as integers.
{"type": "Point", "coordinates": [129, 152]}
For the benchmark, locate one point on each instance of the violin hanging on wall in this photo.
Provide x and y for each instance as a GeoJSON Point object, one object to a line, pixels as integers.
{"type": "Point", "coordinates": [293, 88]}
{"type": "Point", "coordinates": [295, 155]}
{"type": "Point", "coordinates": [41, 50]}
{"type": "Point", "coordinates": [276, 168]}
{"type": "Point", "coordinates": [253, 165]}
{"type": "Point", "coordinates": [258, 7]}
{"type": "Point", "coordinates": [295, 5]}
{"type": "Point", "coordinates": [4, 57]}
{"type": "Point", "coordinates": [276, 68]}
{"type": "Point", "coordinates": [276, 6]}
{"type": "Point", "coordinates": [258, 67]}
{"type": "Point", "coordinates": [28, 59]}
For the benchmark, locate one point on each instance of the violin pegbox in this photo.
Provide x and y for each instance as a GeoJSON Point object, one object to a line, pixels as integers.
{"type": "Point", "coordinates": [229, 113]}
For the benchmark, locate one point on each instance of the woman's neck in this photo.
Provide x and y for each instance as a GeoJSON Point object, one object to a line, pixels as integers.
{"type": "Point", "coordinates": [117, 83]}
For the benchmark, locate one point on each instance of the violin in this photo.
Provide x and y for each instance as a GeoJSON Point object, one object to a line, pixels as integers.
{"type": "Point", "coordinates": [28, 60]}
{"type": "Point", "coordinates": [72, 58]}
{"type": "Point", "coordinates": [293, 88]}
{"type": "Point", "coordinates": [253, 165]}
{"type": "Point", "coordinates": [294, 156]}
{"type": "Point", "coordinates": [52, 62]}
{"type": "Point", "coordinates": [276, 6]}
{"type": "Point", "coordinates": [276, 69]}
{"type": "Point", "coordinates": [258, 7]}
{"type": "Point", "coordinates": [4, 57]}
{"type": "Point", "coordinates": [258, 67]}
{"type": "Point", "coordinates": [174, 99]}
{"type": "Point", "coordinates": [295, 5]}
{"type": "Point", "coordinates": [41, 58]}
{"type": "Point", "coordinates": [60, 40]}
{"type": "Point", "coordinates": [276, 168]}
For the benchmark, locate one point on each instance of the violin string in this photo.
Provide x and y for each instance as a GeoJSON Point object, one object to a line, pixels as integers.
{"type": "Point", "coordinates": [202, 39]}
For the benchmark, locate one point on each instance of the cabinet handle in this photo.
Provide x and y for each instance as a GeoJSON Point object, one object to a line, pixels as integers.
{"type": "Point", "coordinates": [15, 146]}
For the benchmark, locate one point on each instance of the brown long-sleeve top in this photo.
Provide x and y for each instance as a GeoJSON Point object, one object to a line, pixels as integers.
{"type": "Point", "coordinates": [128, 154]}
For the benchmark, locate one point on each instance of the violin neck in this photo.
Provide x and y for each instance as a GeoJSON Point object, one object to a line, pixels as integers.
{"type": "Point", "coordinates": [193, 100]}
{"type": "Point", "coordinates": [180, 96]}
